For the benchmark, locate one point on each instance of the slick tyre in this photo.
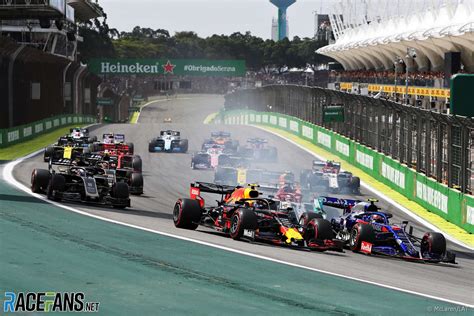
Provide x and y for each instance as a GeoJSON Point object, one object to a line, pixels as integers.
{"type": "Point", "coordinates": [319, 229]}
{"type": "Point", "coordinates": [137, 163]}
{"type": "Point", "coordinates": [136, 181]}
{"type": "Point", "coordinates": [186, 214]}
{"type": "Point", "coordinates": [360, 233]}
{"type": "Point", "coordinates": [241, 220]}
{"type": "Point", "coordinates": [48, 152]}
{"type": "Point", "coordinates": [130, 148]}
{"type": "Point", "coordinates": [433, 243]}
{"type": "Point", "coordinates": [120, 190]}
{"type": "Point", "coordinates": [306, 217]}
{"type": "Point", "coordinates": [39, 180]}
{"type": "Point", "coordinates": [57, 184]}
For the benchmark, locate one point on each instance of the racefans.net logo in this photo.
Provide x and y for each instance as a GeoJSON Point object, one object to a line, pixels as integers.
{"type": "Point", "coordinates": [48, 302]}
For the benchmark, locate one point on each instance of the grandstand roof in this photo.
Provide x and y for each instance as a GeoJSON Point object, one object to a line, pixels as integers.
{"type": "Point", "coordinates": [374, 42]}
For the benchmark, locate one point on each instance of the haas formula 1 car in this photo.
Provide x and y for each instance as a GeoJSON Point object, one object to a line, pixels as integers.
{"type": "Point", "coordinates": [168, 141]}
{"type": "Point", "coordinates": [327, 176]}
{"type": "Point", "coordinates": [363, 228]}
{"type": "Point", "coordinates": [241, 214]}
{"type": "Point", "coordinates": [76, 182]}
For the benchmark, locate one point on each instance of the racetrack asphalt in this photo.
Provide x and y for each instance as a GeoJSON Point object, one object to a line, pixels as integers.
{"type": "Point", "coordinates": [167, 177]}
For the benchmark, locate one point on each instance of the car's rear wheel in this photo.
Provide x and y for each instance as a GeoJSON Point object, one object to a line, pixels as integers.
{"type": "Point", "coordinates": [361, 233]}
{"type": "Point", "coordinates": [48, 152]}
{"type": "Point", "coordinates": [184, 145]}
{"type": "Point", "coordinates": [187, 214]}
{"type": "Point", "coordinates": [136, 181]}
{"type": "Point", "coordinates": [130, 148]}
{"type": "Point", "coordinates": [242, 219]}
{"type": "Point", "coordinates": [137, 163]}
{"type": "Point", "coordinates": [57, 184]}
{"type": "Point", "coordinates": [151, 147]}
{"type": "Point", "coordinates": [433, 243]}
{"type": "Point", "coordinates": [39, 180]}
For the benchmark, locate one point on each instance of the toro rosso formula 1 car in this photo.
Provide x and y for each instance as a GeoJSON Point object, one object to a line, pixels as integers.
{"type": "Point", "coordinates": [370, 232]}
{"type": "Point", "coordinates": [168, 141]}
{"type": "Point", "coordinates": [241, 214]}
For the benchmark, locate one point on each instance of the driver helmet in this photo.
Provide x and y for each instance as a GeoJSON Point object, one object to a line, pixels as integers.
{"type": "Point", "coordinates": [376, 218]}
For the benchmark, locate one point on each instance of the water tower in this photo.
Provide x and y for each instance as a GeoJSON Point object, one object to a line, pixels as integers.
{"type": "Point", "coordinates": [282, 5]}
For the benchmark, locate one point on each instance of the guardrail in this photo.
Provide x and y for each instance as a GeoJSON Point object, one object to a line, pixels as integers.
{"type": "Point", "coordinates": [21, 133]}
{"type": "Point", "coordinates": [450, 204]}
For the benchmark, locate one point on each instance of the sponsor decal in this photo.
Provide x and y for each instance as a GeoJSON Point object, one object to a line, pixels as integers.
{"type": "Point", "coordinates": [249, 233]}
{"type": "Point", "coordinates": [63, 121]}
{"type": "Point", "coordinates": [27, 131]}
{"type": "Point", "coordinates": [366, 247]}
{"type": "Point", "coordinates": [265, 118]}
{"type": "Point", "coordinates": [273, 120]}
{"type": "Point", "coordinates": [470, 215]}
{"type": "Point", "coordinates": [294, 126]}
{"type": "Point", "coordinates": [307, 132]}
{"type": "Point", "coordinates": [192, 67]}
{"type": "Point", "coordinates": [48, 124]}
{"type": "Point", "coordinates": [342, 148]}
{"type": "Point", "coordinates": [39, 128]}
{"type": "Point", "coordinates": [432, 197]}
{"type": "Point", "coordinates": [13, 136]}
{"type": "Point", "coordinates": [252, 117]}
{"type": "Point", "coordinates": [324, 139]}
{"type": "Point", "coordinates": [365, 160]}
{"type": "Point", "coordinates": [393, 175]}
{"type": "Point", "coordinates": [258, 118]}
{"type": "Point", "coordinates": [168, 68]}
{"type": "Point", "coordinates": [195, 192]}
{"type": "Point", "coordinates": [56, 122]}
{"type": "Point", "coordinates": [48, 302]}
{"type": "Point", "coordinates": [283, 122]}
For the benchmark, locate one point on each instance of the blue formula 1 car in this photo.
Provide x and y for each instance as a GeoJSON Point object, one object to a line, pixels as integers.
{"type": "Point", "coordinates": [370, 232]}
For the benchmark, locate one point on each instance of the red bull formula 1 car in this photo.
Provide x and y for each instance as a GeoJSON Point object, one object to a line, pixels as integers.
{"type": "Point", "coordinates": [242, 214]}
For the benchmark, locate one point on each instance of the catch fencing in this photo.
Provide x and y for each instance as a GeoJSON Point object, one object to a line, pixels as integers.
{"type": "Point", "coordinates": [437, 145]}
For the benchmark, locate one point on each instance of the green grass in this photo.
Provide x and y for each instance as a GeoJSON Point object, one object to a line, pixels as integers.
{"type": "Point", "coordinates": [27, 147]}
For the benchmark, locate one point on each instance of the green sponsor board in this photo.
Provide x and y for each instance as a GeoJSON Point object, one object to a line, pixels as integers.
{"type": "Point", "coordinates": [333, 113]}
{"type": "Point", "coordinates": [186, 67]}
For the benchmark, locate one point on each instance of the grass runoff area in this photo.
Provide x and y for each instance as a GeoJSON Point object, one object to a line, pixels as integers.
{"type": "Point", "coordinates": [27, 147]}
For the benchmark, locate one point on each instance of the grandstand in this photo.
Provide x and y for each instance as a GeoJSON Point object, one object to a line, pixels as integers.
{"type": "Point", "coordinates": [38, 60]}
{"type": "Point", "coordinates": [415, 39]}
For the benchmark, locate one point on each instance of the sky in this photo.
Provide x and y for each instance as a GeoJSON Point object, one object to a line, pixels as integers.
{"type": "Point", "coordinates": [208, 17]}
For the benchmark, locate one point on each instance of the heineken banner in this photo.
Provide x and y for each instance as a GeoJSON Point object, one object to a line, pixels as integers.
{"type": "Point", "coordinates": [187, 67]}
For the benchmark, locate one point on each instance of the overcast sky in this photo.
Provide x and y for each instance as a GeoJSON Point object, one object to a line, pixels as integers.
{"type": "Point", "coordinates": [207, 17]}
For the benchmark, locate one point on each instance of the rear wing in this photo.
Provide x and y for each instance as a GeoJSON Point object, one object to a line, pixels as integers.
{"type": "Point", "coordinates": [337, 202]}
{"type": "Point", "coordinates": [198, 187]}
{"type": "Point", "coordinates": [64, 156]}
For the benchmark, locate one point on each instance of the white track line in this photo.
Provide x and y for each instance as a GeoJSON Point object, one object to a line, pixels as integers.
{"type": "Point", "coordinates": [380, 194]}
{"type": "Point", "coordinates": [8, 176]}
{"type": "Point", "coordinates": [158, 101]}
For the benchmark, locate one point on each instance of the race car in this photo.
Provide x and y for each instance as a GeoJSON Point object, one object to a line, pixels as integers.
{"type": "Point", "coordinates": [208, 159]}
{"type": "Point", "coordinates": [289, 192]}
{"type": "Point", "coordinates": [241, 175]}
{"type": "Point", "coordinates": [112, 142]}
{"type": "Point", "coordinates": [221, 139]}
{"type": "Point", "coordinates": [327, 176]}
{"type": "Point", "coordinates": [168, 141]}
{"type": "Point", "coordinates": [371, 232]}
{"type": "Point", "coordinates": [82, 134]}
{"type": "Point", "coordinates": [73, 181]}
{"type": "Point", "coordinates": [167, 120]}
{"type": "Point", "coordinates": [122, 167]}
{"type": "Point", "coordinates": [68, 148]}
{"type": "Point", "coordinates": [258, 150]}
{"type": "Point", "coordinates": [241, 214]}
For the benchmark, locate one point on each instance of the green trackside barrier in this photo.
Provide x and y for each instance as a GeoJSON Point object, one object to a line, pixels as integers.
{"type": "Point", "coordinates": [25, 132]}
{"type": "Point", "coordinates": [454, 206]}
